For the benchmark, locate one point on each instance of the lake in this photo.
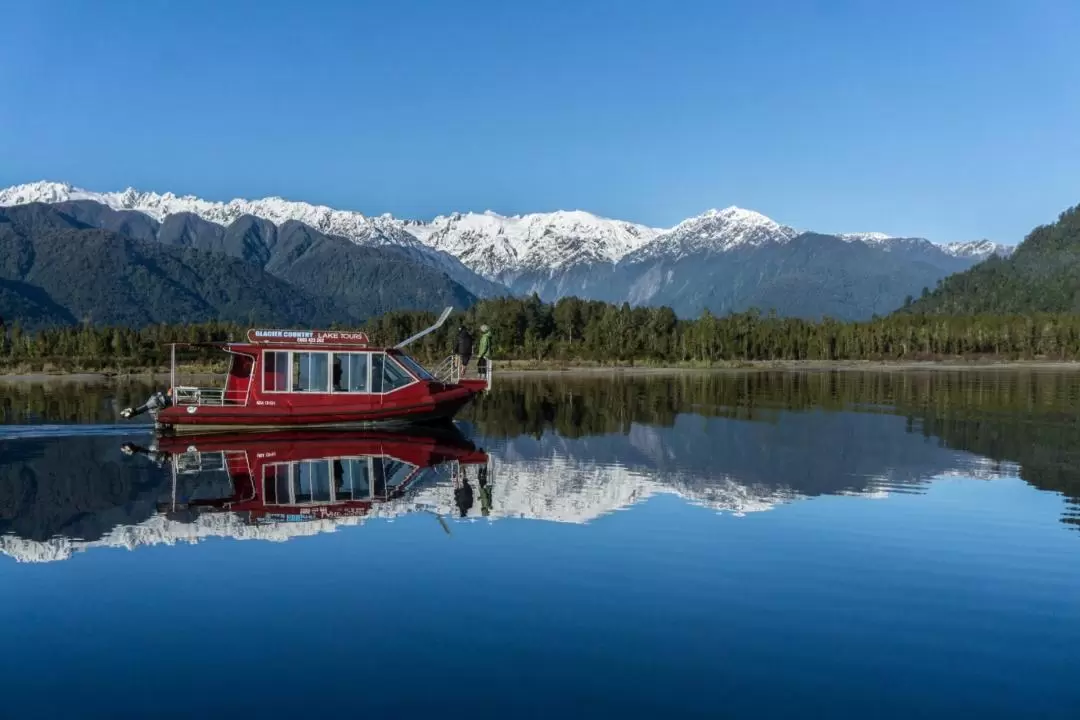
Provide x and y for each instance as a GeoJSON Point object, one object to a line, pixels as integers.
{"type": "Point", "coordinates": [826, 544]}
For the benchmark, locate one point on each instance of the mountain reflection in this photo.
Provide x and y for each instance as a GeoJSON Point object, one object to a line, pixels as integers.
{"type": "Point", "coordinates": [558, 449]}
{"type": "Point", "coordinates": [62, 495]}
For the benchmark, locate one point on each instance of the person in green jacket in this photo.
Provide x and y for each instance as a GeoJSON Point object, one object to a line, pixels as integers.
{"type": "Point", "coordinates": [483, 354]}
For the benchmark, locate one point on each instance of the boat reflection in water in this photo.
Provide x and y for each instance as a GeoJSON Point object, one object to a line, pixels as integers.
{"type": "Point", "coordinates": [298, 476]}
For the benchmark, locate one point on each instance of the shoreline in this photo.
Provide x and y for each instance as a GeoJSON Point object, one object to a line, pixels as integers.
{"type": "Point", "coordinates": [552, 368]}
{"type": "Point", "coordinates": [798, 366]}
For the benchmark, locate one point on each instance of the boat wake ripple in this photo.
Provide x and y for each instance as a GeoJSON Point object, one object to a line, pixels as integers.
{"type": "Point", "coordinates": [28, 432]}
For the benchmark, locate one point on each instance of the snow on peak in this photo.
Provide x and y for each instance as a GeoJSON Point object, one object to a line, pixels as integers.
{"type": "Point", "coordinates": [717, 231]}
{"type": "Point", "coordinates": [980, 249]}
{"type": "Point", "coordinates": [977, 249]}
{"type": "Point", "coordinates": [871, 238]}
{"type": "Point", "coordinates": [499, 246]}
{"type": "Point", "coordinates": [344, 223]}
{"type": "Point", "coordinates": [552, 487]}
{"type": "Point", "coordinates": [734, 214]}
{"type": "Point", "coordinates": [44, 192]}
{"type": "Point", "coordinates": [488, 243]}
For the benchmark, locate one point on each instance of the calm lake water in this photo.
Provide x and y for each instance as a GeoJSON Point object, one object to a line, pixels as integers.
{"type": "Point", "coordinates": [861, 545]}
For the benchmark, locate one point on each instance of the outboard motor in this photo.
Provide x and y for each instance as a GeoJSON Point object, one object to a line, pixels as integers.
{"type": "Point", "coordinates": [156, 402]}
{"type": "Point", "coordinates": [158, 457]}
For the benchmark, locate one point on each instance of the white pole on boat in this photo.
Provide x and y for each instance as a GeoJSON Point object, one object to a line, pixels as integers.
{"type": "Point", "coordinates": [172, 372]}
{"type": "Point", "coordinates": [174, 462]}
{"type": "Point", "coordinates": [438, 324]}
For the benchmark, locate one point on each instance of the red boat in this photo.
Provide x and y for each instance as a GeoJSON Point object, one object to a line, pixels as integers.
{"type": "Point", "coordinates": [305, 475]}
{"type": "Point", "coordinates": [315, 378]}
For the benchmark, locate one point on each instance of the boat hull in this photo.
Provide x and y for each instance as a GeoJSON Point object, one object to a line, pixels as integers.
{"type": "Point", "coordinates": [422, 405]}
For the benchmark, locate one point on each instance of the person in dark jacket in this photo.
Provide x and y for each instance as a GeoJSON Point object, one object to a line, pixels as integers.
{"type": "Point", "coordinates": [463, 497]}
{"type": "Point", "coordinates": [464, 347]}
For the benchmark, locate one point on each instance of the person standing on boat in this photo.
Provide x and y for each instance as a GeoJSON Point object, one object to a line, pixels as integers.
{"type": "Point", "coordinates": [485, 490]}
{"type": "Point", "coordinates": [463, 496]}
{"type": "Point", "coordinates": [484, 353]}
{"type": "Point", "coordinates": [464, 348]}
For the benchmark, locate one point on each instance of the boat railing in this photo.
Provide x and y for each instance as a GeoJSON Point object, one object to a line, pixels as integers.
{"type": "Point", "coordinates": [187, 395]}
{"type": "Point", "coordinates": [450, 371]}
{"type": "Point", "coordinates": [193, 461]}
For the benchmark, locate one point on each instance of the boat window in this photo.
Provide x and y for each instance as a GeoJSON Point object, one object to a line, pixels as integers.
{"type": "Point", "coordinates": [313, 481]}
{"type": "Point", "coordinates": [311, 372]}
{"type": "Point", "coordinates": [351, 480]}
{"type": "Point", "coordinates": [350, 372]}
{"type": "Point", "coordinates": [386, 374]}
{"type": "Point", "coordinates": [275, 371]}
{"type": "Point", "coordinates": [416, 368]}
{"type": "Point", "coordinates": [276, 485]}
{"type": "Point", "coordinates": [390, 474]}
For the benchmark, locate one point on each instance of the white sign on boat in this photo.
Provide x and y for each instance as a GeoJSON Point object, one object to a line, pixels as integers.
{"type": "Point", "coordinates": [306, 337]}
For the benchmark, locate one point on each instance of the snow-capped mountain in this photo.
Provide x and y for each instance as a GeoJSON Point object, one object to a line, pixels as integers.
{"type": "Point", "coordinates": [555, 488]}
{"type": "Point", "coordinates": [977, 249]}
{"type": "Point", "coordinates": [500, 247]}
{"type": "Point", "coordinates": [488, 243]}
{"type": "Point", "coordinates": [382, 231]}
{"type": "Point", "coordinates": [715, 231]}
{"type": "Point", "coordinates": [876, 238]}
{"type": "Point", "coordinates": [722, 260]}
{"type": "Point", "coordinates": [972, 250]}
{"type": "Point", "coordinates": [343, 223]}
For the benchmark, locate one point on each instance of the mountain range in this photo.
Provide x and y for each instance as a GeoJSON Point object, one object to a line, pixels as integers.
{"type": "Point", "coordinates": [723, 260]}
{"type": "Point", "coordinates": [81, 261]}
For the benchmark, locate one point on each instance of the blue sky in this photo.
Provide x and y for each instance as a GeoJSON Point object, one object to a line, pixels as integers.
{"type": "Point", "coordinates": [951, 120]}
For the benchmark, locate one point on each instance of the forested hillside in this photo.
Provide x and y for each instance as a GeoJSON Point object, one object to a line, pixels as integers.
{"type": "Point", "coordinates": [1043, 275]}
{"type": "Point", "coordinates": [54, 270]}
{"type": "Point", "coordinates": [81, 262]}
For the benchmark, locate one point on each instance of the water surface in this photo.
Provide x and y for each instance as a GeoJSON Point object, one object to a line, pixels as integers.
{"type": "Point", "coordinates": [742, 545]}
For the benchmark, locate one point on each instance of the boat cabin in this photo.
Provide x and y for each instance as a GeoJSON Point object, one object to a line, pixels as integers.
{"type": "Point", "coordinates": [289, 378]}
{"type": "Point", "coordinates": [341, 364]}
{"type": "Point", "coordinates": [300, 475]}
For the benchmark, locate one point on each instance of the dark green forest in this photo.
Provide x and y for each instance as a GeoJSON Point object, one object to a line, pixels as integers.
{"type": "Point", "coordinates": [573, 331]}
{"type": "Point", "coordinates": [1043, 275]}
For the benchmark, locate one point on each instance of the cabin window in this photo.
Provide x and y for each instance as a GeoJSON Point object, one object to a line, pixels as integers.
{"type": "Point", "coordinates": [350, 372]}
{"type": "Point", "coordinates": [276, 485]}
{"type": "Point", "coordinates": [297, 483]}
{"type": "Point", "coordinates": [387, 375]}
{"type": "Point", "coordinates": [311, 372]}
{"type": "Point", "coordinates": [276, 371]}
{"type": "Point", "coordinates": [313, 481]}
{"type": "Point", "coordinates": [390, 474]}
{"type": "Point", "coordinates": [414, 367]}
{"type": "Point", "coordinates": [351, 481]}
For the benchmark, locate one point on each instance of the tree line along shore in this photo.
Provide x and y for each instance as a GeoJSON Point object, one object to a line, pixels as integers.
{"type": "Point", "coordinates": [575, 333]}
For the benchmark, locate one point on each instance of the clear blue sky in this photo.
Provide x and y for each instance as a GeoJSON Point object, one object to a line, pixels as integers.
{"type": "Point", "coordinates": [951, 119]}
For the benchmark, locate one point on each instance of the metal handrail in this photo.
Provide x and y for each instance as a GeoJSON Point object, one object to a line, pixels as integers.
{"type": "Point", "coordinates": [188, 395]}
{"type": "Point", "coordinates": [194, 461]}
{"type": "Point", "coordinates": [449, 370]}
